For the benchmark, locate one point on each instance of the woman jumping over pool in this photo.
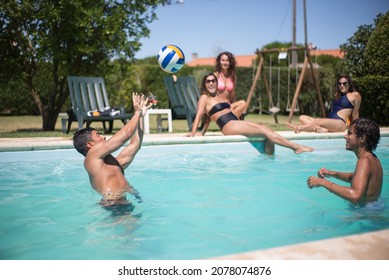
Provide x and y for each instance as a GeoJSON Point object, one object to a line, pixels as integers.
{"type": "Point", "coordinates": [219, 110]}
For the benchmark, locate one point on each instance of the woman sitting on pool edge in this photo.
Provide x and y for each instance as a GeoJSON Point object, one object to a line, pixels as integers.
{"type": "Point", "coordinates": [344, 106]}
{"type": "Point", "coordinates": [219, 110]}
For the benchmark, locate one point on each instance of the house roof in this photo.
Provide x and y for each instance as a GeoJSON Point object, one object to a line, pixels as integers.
{"type": "Point", "coordinates": [333, 52]}
{"type": "Point", "coordinates": [247, 60]}
{"type": "Point", "coordinates": [241, 60]}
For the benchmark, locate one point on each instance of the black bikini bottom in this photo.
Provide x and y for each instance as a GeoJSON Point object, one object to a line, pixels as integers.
{"type": "Point", "coordinates": [224, 119]}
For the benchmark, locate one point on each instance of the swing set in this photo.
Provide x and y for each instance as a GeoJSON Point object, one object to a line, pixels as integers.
{"type": "Point", "coordinates": [274, 109]}
{"type": "Point", "coordinates": [290, 107]}
{"type": "Point", "coordinates": [283, 54]}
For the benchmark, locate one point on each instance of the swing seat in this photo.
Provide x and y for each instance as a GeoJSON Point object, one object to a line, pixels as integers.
{"type": "Point", "coordinates": [274, 110]}
{"type": "Point", "coordinates": [295, 109]}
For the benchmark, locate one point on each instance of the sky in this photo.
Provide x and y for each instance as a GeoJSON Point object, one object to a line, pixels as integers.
{"type": "Point", "coordinates": [208, 27]}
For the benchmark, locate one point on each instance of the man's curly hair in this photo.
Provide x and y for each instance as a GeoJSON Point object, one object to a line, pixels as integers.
{"type": "Point", "coordinates": [368, 129]}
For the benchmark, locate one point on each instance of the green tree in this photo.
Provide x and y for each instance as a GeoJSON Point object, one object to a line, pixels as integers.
{"type": "Point", "coordinates": [281, 46]}
{"type": "Point", "coordinates": [377, 49]}
{"type": "Point", "coordinates": [354, 49]}
{"type": "Point", "coordinates": [147, 60]}
{"type": "Point", "coordinates": [58, 38]}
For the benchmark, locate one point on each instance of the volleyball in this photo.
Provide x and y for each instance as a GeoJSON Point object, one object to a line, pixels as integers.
{"type": "Point", "coordinates": [171, 58]}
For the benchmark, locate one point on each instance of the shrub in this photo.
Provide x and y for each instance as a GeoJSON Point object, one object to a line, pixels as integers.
{"type": "Point", "coordinates": [375, 98]}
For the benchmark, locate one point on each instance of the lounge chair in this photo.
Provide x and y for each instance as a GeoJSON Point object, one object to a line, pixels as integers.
{"type": "Point", "coordinates": [90, 104]}
{"type": "Point", "coordinates": [183, 97]}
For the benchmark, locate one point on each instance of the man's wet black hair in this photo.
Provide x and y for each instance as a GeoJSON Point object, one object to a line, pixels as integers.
{"type": "Point", "coordinates": [80, 138]}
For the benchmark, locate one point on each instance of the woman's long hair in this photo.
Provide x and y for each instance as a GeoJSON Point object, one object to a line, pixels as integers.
{"type": "Point", "coordinates": [231, 70]}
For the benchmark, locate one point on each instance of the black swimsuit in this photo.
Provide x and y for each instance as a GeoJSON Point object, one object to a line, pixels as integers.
{"type": "Point", "coordinates": [218, 107]}
{"type": "Point", "coordinates": [224, 119]}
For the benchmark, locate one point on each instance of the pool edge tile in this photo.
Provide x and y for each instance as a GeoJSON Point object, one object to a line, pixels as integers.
{"type": "Point", "coordinates": [364, 246]}
{"type": "Point", "coordinates": [49, 143]}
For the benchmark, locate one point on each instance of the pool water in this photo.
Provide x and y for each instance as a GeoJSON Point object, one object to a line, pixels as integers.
{"type": "Point", "coordinates": [199, 201]}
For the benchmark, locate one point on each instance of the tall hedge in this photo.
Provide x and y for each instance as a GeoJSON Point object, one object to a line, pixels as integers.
{"type": "Point", "coordinates": [375, 98]}
{"type": "Point", "coordinates": [377, 50]}
{"type": "Point", "coordinates": [149, 78]}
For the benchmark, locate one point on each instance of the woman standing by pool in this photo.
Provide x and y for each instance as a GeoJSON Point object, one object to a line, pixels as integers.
{"type": "Point", "coordinates": [218, 108]}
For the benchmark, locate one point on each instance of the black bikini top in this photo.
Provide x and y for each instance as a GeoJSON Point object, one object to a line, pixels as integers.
{"type": "Point", "coordinates": [218, 107]}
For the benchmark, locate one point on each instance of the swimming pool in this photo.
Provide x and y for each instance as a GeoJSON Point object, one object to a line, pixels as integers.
{"type": "Point", "coordinates": [199, 201]}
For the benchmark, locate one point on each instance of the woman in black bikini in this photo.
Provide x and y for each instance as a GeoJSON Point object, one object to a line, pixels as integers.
{"type": "Point", "coordinates": [219, 110]}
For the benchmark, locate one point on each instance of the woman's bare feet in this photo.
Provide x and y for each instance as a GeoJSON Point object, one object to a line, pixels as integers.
{"type": "Point", "coordinates": [319, 129]}
{"type": "Point", "coordinates": [302, 149]}
{"type": "Point", "coordinates": [298, 129]}
{"type": "Point", "coordinates": [295, 128]}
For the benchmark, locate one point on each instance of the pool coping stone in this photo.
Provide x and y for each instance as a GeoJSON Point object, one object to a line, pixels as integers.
{"type": "Point", "coordinates": [49, 143]}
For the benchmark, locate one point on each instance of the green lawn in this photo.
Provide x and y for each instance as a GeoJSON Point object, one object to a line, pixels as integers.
{"type": "Point", "coordinates": [30, 126]}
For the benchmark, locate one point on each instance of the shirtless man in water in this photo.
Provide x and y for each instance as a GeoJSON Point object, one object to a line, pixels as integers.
{"type": "Point", "coordinates": [106, 172]}
{"type": "Point", "coordinates": [366, 180]}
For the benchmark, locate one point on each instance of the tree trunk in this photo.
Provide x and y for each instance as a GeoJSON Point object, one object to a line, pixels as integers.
{"type": "Point", "coordinates": [49, 112]}
{"type": "Point", "coordinates": [49, 120]}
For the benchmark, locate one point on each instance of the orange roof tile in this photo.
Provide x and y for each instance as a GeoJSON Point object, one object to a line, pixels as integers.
{"type": "Point", "coordinates": [241, 60]}
{"type": "Point", "coordinates": [202, 62]}
{"type": "Point", "coordinates": [333, 52]}
{"type": "Point", "coordinates": [247, 60]}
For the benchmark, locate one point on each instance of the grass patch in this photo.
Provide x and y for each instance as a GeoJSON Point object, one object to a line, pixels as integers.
{"type": "Point", "coordinates": [31, 126]}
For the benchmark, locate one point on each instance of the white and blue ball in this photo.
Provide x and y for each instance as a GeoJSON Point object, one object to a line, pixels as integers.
{"type": "Point", "coordinates": [171, 58]}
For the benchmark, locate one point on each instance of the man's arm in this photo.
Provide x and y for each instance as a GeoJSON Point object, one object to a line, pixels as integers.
{"type": "Point", "coordinates": [344, 176]}
{"type": "Point", "coordinates": [127, 155]}
{"type": "Point", "coordinates": [125, 133]}
{"type": "Point", "coordinates": [358, 186]}
{"type": "Point", "coordinates": [104, 148]}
